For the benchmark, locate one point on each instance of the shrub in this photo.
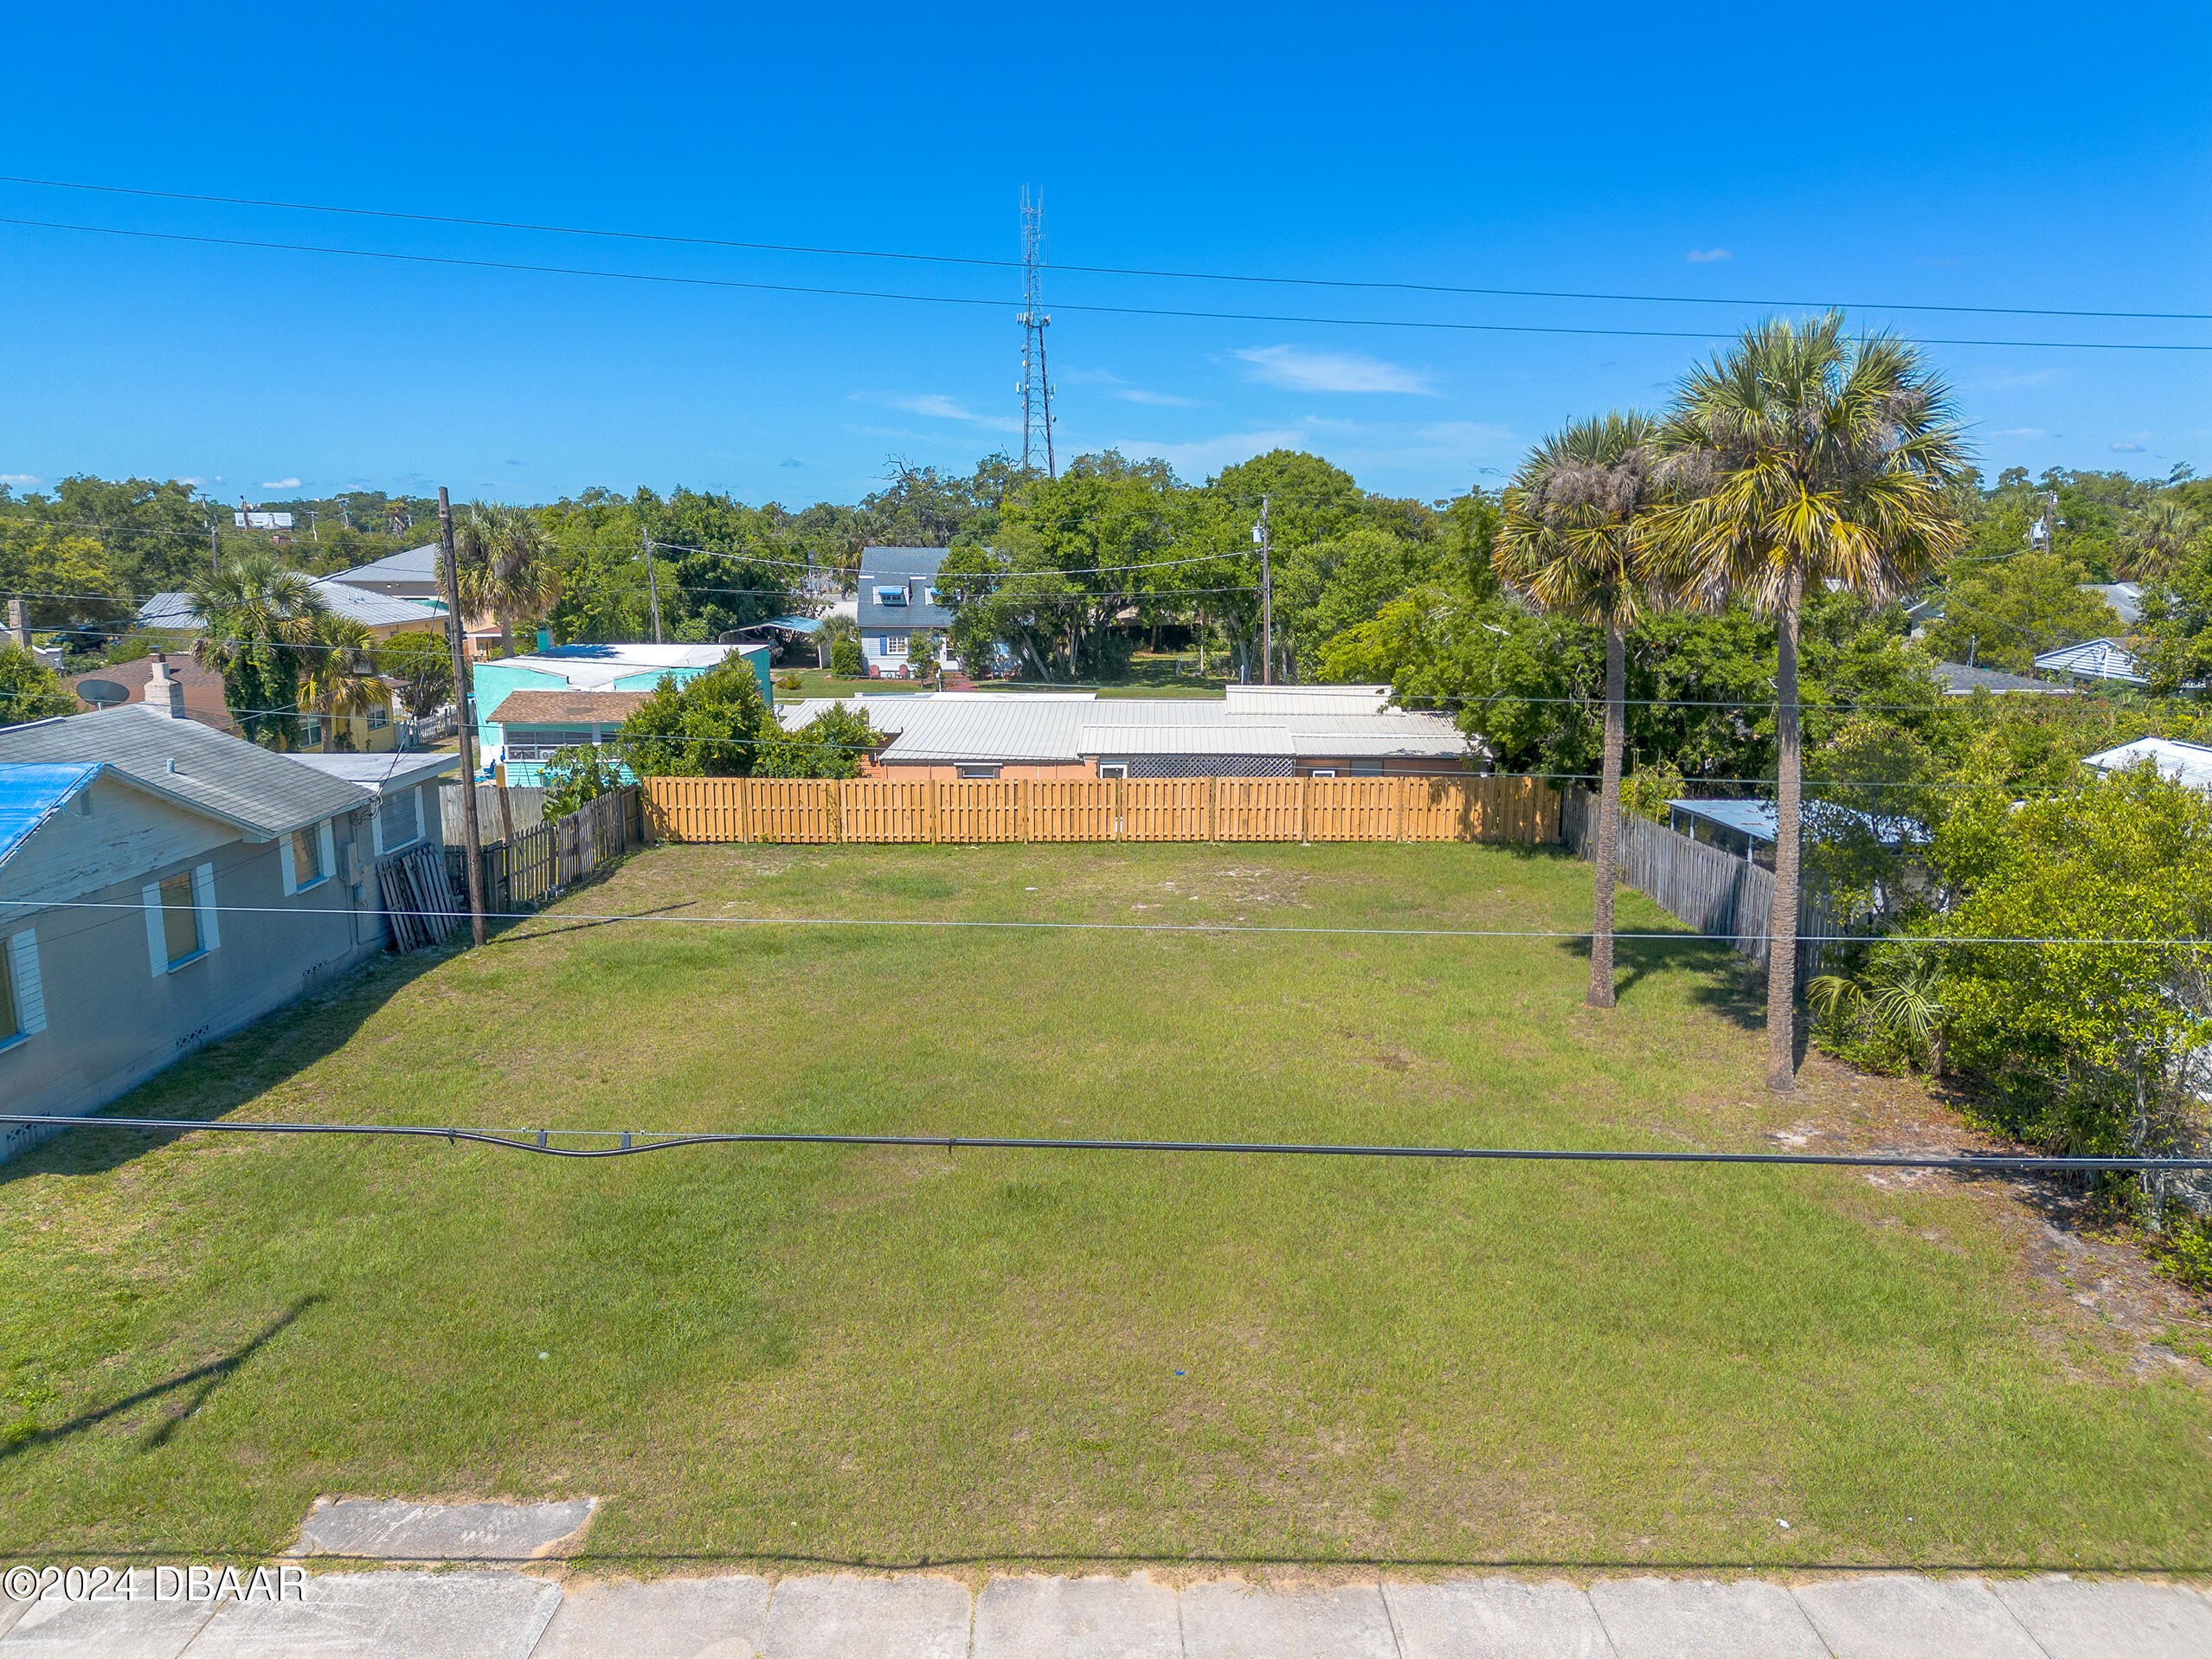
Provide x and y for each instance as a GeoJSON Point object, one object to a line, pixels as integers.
{"type": "Point", "coordinates": [576, 774]}
{"type": "Point", "coordinates": [848, 661]}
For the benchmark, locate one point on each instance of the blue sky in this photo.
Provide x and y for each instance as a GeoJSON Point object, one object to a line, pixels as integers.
{"type": "Point", "coordinates": [2017, 156]}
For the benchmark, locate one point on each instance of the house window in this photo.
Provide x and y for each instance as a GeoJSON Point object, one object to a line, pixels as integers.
{"type": "Point", "coordinates": [890, 595]}
{"type": "Point", "coordinates": [540, 743]}
{"type": "Point", "coordinates": [894, 644]}
{"type": "Point", "coordinates": [180, 921]}
{"type": "Point", "coordinates": [311, 733]}
{"type": "Point", "coordinates": [1323, 772]}
{"type": "Point", "coordinates": [978, 771]}
{"type": "Point", "coordinates": [379, 718]}
{"type": "Point", "coordinates": [399, 821]}
{"type": "Point", "coordinates": [1113, 768]}
{"type": "Point", "coordinates": [1367, 768]}
{"type": "Point", "coordinates": [23, 1003]}
{"type": "Point", "coordinates": [306, 853]}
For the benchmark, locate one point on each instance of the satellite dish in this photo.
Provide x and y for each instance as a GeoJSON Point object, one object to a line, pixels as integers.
{"type": "Point", "coordinates": [103, 693]}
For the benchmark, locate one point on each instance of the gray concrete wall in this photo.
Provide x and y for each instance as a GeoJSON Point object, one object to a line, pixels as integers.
{"type": "Point", "coordinates": [112, 1022]}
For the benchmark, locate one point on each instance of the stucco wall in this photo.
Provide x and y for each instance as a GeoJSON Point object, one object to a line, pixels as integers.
{"type": "Point", "coordinates": [111, 1021]}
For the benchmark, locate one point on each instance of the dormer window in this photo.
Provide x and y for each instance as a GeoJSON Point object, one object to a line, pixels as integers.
{"type": "Point", "coordinates": [890, 595]}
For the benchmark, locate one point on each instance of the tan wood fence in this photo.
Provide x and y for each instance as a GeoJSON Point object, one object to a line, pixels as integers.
{"type": "Point", "coordinates": [784, 810]}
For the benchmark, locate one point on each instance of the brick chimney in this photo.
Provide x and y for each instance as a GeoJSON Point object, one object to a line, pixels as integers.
{"type": "Point", "coordinates": [164, 691]}
{"type": "Point", "coordinates": [18, 625]}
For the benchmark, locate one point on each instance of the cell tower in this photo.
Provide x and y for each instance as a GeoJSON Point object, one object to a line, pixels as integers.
{"type": "Point", "coordinates": [1035, 384]}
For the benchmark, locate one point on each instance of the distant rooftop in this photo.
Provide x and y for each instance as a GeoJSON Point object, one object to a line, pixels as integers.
{"type": "Point", "coordinates": [2188, 763]}
{"type": "Point", "coordinates": [2105, 659]}
{"type": "Point", "coordinates": [1959, 679]}
{"type": "Point", "coordinates": [394, 770]}
{"type": "Point", "coordinates": [594, 667]}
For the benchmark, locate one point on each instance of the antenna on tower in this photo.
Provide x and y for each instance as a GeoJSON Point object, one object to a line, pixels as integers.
{"type": "Point", "coordinates": [1035, 384]}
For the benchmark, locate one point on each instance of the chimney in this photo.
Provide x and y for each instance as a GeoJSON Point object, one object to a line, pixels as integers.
{"type": "Point", "coordinates": [163, 692]}
{"type": "Point", "coordinates": [18, 625]}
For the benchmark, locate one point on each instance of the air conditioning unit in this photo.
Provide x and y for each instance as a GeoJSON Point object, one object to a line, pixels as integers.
{"type": "Point", "coordinates": [352, 868]}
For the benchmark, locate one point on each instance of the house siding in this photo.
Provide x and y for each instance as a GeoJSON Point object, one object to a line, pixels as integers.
{"type": "Point", "coordinates": [111, 1022]}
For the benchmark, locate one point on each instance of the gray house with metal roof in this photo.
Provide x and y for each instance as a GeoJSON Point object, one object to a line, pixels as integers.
{"type": "Point", "coordinates": [161, 886]}
{"type": "Point", "coordinates": [899, 599]}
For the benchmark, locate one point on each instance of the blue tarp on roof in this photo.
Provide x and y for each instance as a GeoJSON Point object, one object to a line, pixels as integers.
{"type": "Point", "coordinates": [31, 793]}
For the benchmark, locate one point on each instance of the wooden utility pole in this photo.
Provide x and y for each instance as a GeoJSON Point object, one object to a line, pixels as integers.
{"type": "Point", "coordinates": [653, 587]}
{"type": "Point", "coordinates": [1267, 598]}
{"type": "Point", "coordinates": [464, 713]}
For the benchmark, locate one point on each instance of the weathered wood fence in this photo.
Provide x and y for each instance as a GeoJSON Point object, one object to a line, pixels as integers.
{"type": "Point", "coordinates": [539, 862]}
{"type": "Point", "coordinates": [1102, 809]}
{"type": "Point", "coordinates": [525, 805]}
{"type": "Point", "coordinates": [1716, 892]}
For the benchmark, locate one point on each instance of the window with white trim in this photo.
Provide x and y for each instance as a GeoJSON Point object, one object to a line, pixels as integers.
{"type": "Point", "coordinates": [978, 771]}
{"type": "Point", "coordinates": [399, 820]}
{"type": "Point", "coordinates": [379, 717]}
{"type": "Point", "coordinates": [894, 644]}
{"type": "Point", "coordinates": [1113, 768]}
{"type": "Point", "coordinates": [22, 1000]}
{"type": "Point", "coordinates": [181, 925]}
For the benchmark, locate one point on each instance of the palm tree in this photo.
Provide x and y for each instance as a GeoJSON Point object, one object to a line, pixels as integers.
{"type": "Point", "coordinates": [2156, 542]}
{"type": "Point", "coordinates": [1802, 456]}
{"type": "Point", "coordinates": [256, 612]}
{"type": "Point", "coordinates": [340, 681]}
{"type": "Point", "coordinates": [506, 568]}
{"type": "Point", "coordinates": [1569, 541]}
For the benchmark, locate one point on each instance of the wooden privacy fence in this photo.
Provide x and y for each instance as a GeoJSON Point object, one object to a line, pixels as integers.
{"type": "Point", "coordinates": [1102, 809]}
{"type": "Point", "coordinates": [1716, 892]}
{"type": "Point", "coordinates": [538, 862]}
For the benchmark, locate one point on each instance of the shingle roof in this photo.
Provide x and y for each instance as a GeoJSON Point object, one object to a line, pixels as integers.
{"type": "Point", "coordinates": [29, 794]}
{"type": "Point", "coordinates": [566, 707]}
{"type": "Point", "coordinates": [224, 777]}
{"type": "Point", "coordinates": [913, 571]}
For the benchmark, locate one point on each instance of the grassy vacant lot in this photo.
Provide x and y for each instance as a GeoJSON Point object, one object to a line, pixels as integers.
{"type": "Point", "coordinates": [806, 1355]}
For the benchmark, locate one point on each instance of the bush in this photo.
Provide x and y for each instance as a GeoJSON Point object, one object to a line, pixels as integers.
{"type": "Point", "coordinates": [715, 726]}
{"type": "Point", "coordinates": [29, 690]}
{"type": "Point", "coordinates": [576, 774]}
{"type": "Point", "coordinates": [847, 661]}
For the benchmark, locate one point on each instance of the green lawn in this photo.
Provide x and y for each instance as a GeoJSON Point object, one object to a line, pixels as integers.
{"type": "Point", "coordinates": [806, 1355]}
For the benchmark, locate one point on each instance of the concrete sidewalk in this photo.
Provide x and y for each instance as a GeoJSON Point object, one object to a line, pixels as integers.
{"type": "Point", "coordinates": [504, 1615]}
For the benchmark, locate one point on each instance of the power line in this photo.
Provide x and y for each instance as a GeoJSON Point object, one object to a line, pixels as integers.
{"type": "Point", "coordinates": [455, 261]}
{"type": "Point", "coordinates": [631, 1142]}
{"type": "Point", "coordinates": [1100, 270]}
{"type": "Point", "coordinates": [1208, 928]}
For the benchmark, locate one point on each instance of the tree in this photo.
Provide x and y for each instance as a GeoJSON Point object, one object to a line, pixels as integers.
{"type": "Point", "coordinates": [1805, 457]}
{"type": "Point", "coordinates": [340, 680]}
{"type": "Point", "coordinates": [422, 664]}
{"type": "Point", "coordinates": [830, 745]}
{"type": "Point", "coordinates": [847, 661]}
{"type": "Point", "coordinates": [2176, 648]}
{"type": "Point", "coordinates": [2083, 985]}
{"type": "Point", "coordinates": [922, 654]}
{"type": "Point", "coordinates": [1570, 542]}
{"type": "Point", "coordinates": [577, 774]}
{"type": "Point", "coordinates": [713, 726]}
{"type": "Point", "coordinates": [2160, 539]}
{"type": "Point", "coordinates": [64, 576]}
{"type": "Point", "coordinates": [2006, 614]}
{"type": "Point", "coordinates": [258, 612]}
{"type": "Point", "coordinates": [506, 565]}
{"type": "Point", "coordinates": [29, 690]}
{"type": "Point", "coordinates": [832, 630]}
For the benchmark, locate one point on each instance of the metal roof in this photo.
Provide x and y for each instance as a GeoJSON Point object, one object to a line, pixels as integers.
{"type": "Point", "coordinates": [29, 794]}
{"type": "Point", "coordinates": [2189, 763]}
{"type": "Point", "coordinates": [1307, 699]}
{"type": "Point", "coordinates": [168, 610]}
{"type": "Point", "coordinates": [913, 571]}
{"type": "Point", "coordinates": [2093, 659]}
{"type": "Point", "coordinates": [1013, 726]}
{"type": "Point", "coordinates": [205, 771]}
{"type": "Point", "coordinates": [372, 610]}
{"type": "Point", "coordinates": [2124, 597]}
{"type": "Point", "coordinates": [1959, 678]}
{"type": "Point", "coordinates": [413, 565]}
{"type": "Point", "coordinates": [592, 667]}
{"type": "Point", "coordinates": [401, 768]}
{"type": "Point", "coordinates": [1761, 821]}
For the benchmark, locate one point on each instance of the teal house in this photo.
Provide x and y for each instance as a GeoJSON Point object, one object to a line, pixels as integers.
{"type": "Point", "coordinates": [528, 706]}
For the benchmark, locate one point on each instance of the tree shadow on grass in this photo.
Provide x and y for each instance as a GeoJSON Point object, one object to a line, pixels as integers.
{"type": "Point", "coordinates": [209, 1377]}
{"type": "Point", "coordinates": [216, 1080]}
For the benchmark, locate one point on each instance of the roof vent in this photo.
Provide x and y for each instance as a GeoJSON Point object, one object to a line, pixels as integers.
{"type": "Point", "coordinates": [172, 764]}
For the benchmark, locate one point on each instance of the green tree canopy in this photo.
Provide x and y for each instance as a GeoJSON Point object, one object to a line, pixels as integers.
{"type": "Point", "coordinates": [715, 725]}
{"type": "Point", "coordinates": [29, 690]}
{"type": "Point", "coordinates": [2006, 614]}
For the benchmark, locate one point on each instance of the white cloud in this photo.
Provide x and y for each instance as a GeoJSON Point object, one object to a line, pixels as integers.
{"type": "Point", "coordinates": [2021, 432]}
{"type": "Point", "coordinates": [194, 482]}
{"type": "Point", "coordinates": [1116, 387]}
{"type": "Point", "coordinates": [26, 479]}
{"type": "Point", "coordinates": [938, 407]}
{"type": "Point", "coordinates": [280, 484]}
{"type": "Point", "coordinates": [2127, 449]}
{"type": "Point", "coordinates": [1709, 255]}
{"type": "Point", "coordinates": [1298, 369]}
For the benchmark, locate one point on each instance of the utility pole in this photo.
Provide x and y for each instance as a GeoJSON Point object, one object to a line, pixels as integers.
{"type": "Point", "coordinates": [1267, 598]}
{"type": "Point", "coordinates": [464, 713]}
{"type": "Point", "coordinates": [1035, 384]}
{"type": "Point", "coordinates": [652, 586]}
{"type": "Point", "coordinates": [215, 543]}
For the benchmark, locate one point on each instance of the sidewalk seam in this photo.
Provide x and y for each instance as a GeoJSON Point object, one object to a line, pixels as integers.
{"type": "Point", "coordinates": [1390, 1618]}
{"type": "Point", "coordinates": [2012, 1613]}
{"type": "Point", "coordinates": [1599, 1613]}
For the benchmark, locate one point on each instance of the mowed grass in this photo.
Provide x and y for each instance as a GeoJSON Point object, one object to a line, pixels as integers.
{"type": "Point", "coordinates": [800, 1355]}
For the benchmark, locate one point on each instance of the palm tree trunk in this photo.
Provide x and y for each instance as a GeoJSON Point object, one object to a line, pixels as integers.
{"type": "Point", "coordinates": [1782, 929]}
{"type": "Point", "coordinates": [1609, 816]}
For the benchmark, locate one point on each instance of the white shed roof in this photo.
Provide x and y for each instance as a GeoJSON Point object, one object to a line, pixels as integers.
{"type": "Point", "coordinates": [2189, 763]}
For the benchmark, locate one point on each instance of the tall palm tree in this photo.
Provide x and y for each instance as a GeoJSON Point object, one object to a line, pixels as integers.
{"type": "Point", "coordinates": [256, 612]}
{"type": "Point", "coordinates": [341, 681]}
{"type": "Point", "coordinates": [1569, 541]}
{"type": "Point", "coordinates": [1804, 456]}
{"type": "Point", "coordinates": [2156, 541]}
{"type": "Point", "coordinates": [506, 568]}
